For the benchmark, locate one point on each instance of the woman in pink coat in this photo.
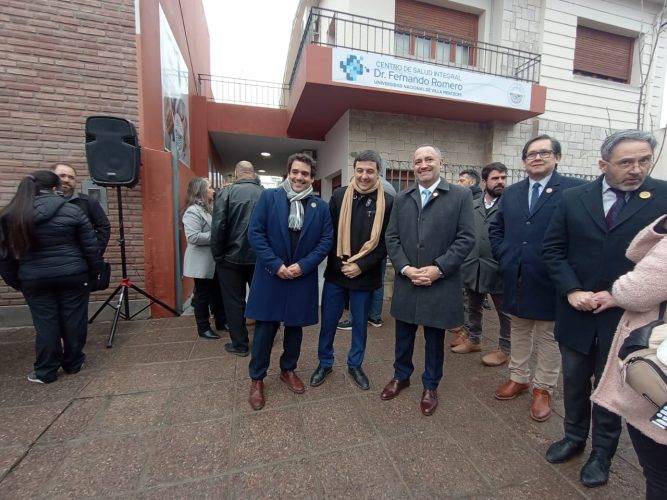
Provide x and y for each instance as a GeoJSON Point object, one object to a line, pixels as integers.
{"type": "Point", "coordinates": [640, 293]}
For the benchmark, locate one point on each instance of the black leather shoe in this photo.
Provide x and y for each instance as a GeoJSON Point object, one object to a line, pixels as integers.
{"type": "Point", "coordinates": [209, 334]}
{"type": "Point", "coordinates": [221, 327]}
{"type": "Point", "coordinates": [319, 375]}
{"type": "Point", "coordinates": [596, 471]}
{"type": "Point", "coordinates": [563, 450]}
{"type": "Point", "coordinates": [229, 347]}
{"type": "Point", "coordinates": [359, 377]}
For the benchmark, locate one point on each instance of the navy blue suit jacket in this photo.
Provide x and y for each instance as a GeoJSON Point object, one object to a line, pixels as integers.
{"type": "Point", "coordinates": [293, 302]}
{"type": "Point", "coordinates": [516, 242]}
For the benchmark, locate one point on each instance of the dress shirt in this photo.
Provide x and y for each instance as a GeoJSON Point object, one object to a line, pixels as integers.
{"type": "Point", "coordinates": [489, 204]}
{"type": "Point", "coordinates": [543, 183]}
{"type": "Point", "coordinates": [609, 197]}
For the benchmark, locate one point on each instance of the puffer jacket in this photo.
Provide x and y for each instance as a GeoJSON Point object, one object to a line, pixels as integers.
{"type": "Point", "coordinates": [64, 244]}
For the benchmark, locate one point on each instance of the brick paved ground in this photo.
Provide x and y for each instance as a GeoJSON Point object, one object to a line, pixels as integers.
{"type": "Point", "coordinates": [163, 415]}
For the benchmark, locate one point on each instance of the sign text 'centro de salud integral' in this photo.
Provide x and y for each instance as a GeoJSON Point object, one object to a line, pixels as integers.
{"type": "Point", "coordinates": [386, 72]}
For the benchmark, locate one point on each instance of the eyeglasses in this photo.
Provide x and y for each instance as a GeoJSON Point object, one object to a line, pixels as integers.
{"type": "Point", "coordinates": [544, 154]}
{"type": "Point", "coordinates": [628, 164]}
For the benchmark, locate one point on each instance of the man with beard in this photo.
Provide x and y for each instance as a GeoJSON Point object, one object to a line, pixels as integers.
{"type": "Point", "coordinates": [584, 251]}
{"type": "Point", "coordinates": [90, 207]}
{"type": "Point", "coordinates": [290, 231]}
{"type": "Point", "coordinates": [481, 273]}
{"type": "Point", "coordinates": [430, 232]}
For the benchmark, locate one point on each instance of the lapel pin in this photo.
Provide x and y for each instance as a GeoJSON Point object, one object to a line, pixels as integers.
{"type": "Point", "coordinates": [435, 194]}
{"type": "Point", "coordinates": [313, 204]}
{"type": "Point", "coordinates": [550, 190]}
{"type": "Point", "coordinates": [645, 195]}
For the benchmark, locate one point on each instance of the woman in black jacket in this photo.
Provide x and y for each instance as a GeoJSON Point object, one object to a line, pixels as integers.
{"type": "Point", "coordinates": [48, 251]}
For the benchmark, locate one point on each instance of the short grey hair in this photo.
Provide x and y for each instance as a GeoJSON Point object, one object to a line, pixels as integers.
{"type": "Point", "coordinates": [608, 145]}
{"type": "Point", "coordinates": [436, 148]}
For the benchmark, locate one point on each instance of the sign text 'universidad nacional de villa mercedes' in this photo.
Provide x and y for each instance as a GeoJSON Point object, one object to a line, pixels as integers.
{"type": "Point", "coordinates": [391, 73]}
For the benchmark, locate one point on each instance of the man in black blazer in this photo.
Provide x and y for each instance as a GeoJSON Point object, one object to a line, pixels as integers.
{"type": "Point", "coordinates": [584, 250]}
{"type": "Point", "coordinates": [529, 296]}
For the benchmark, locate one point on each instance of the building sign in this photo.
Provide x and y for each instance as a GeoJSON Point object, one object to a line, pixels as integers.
{"type": "Point", "coordinates": [379, 71]}
{"type": "Point", "coordinates": [175, 112]}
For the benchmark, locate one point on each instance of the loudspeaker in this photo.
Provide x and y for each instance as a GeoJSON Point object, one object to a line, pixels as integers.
{"type": "Point", "coordinates": [112, 151]}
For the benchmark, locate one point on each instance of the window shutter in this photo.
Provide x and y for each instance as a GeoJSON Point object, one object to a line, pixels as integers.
{"type": "Point", "coordinates": [602, 54]}
{"type": "Point", "coordinates": [419, 15]}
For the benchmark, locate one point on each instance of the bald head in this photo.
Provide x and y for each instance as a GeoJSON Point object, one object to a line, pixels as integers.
{"type": "Point", "coordinates": [244, 170]}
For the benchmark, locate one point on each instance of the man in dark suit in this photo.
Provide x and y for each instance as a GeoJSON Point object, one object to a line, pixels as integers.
{"type": "Point", "coordinates": [430, 232]}
{"type": "Point", "coordinates": [291, 233]}
{"type": "Point", "coordinates": [584, 250]}
{"type": "Point", "coordinates": [529, 297]}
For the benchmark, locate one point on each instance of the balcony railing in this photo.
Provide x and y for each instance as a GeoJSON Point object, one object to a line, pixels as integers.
{"type": "Point", "coordinates": [339, 29]}
{"type": "Point", "coordinates": [248, 92]}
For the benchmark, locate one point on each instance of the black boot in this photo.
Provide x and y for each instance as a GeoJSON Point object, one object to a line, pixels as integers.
{"type": "Point", "coordinates": [563, 450]}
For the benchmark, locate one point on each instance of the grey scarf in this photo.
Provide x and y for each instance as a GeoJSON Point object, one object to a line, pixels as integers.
{"type": "Point", "coordinates": [295, 221]}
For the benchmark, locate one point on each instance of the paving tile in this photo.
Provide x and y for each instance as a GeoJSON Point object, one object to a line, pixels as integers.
{"type": "Point", "coordinates": [338, 423]}
{"type": "Point", "coordinates": [140, 354]}
{"type": "Point", "coordinates": [435, 466]}
{"type": "Point", "coordinates": [268, 436]}
{"type": "Point", "coordinates": [148, 337]}
{"type": "Point", "coordinates": [9, 455]}
{"type": "Point", "coordinates": [74, 420]}
{"type": "Point", "coordinates": [128, 413]}
{"type": "Point", "coordinates": [203, 371]}
{"type": "Point", "coordinates": [297, 479]}
{"type": "Point", "coordinates": [187, 452]}
{"type": "Point", "coordinates": [20, 392]}
{"type": "Point", "coordinates": [336, 385]}
{"type": "Point", "coordinates": [12, 335]}
{"type": "Point", "coordinates": [212, 488]}
{"type": "Point", "coordinates": [31, 475]}
{"type": "Point", "coordinates": [99, 467]}
{"type": "Point", "coordinates": [18, 359]}
{"type": "Point", "coordinates": [348, 473]}
{"type": "Point", "coordinates": [199, 403]}
{"type": "Point", "coordinates": [211, 349]}
{"type": "Point", "coordinates": [276, 393]}
{"type": "Point", "coordinates": [22, 425]}
{"type": "Point", "coordinates": [132, 379]}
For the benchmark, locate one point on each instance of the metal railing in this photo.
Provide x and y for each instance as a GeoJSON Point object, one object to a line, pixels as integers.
{"type": "Point", "coordinates": [248, 92]}
{"type": "Point", "coordinates": [340, 29]}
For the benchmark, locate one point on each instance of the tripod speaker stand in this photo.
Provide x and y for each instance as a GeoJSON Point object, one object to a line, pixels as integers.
{"type": "Point", "coordinates": [122, 303]}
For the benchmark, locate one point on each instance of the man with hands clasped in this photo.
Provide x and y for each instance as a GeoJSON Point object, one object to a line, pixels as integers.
{"type": "Point", "coordinates": [431, 231]}
{"type": "Point", "coordinates": [584, 251]}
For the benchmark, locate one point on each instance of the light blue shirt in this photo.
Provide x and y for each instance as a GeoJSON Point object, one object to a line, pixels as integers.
{"type": "Point", "coordinates": [543, 183]}
{"type": "Point", "coordinates": [608, 196]}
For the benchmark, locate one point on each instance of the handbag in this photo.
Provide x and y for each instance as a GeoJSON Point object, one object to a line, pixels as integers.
{"type": "Point", "coordinates": [642, 367]}
{"type": "Point", "coordinates": [102, 279]}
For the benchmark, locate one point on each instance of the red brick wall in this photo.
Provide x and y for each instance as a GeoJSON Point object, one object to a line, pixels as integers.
{"type": "Point", "coordinates": [60, 62]}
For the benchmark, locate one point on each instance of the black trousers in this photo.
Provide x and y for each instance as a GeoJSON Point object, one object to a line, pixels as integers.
{"type": "Point", "coordinates": [262, 345]}
{"type": "Point", "coordinates": [206, 300]}
{"type": "Point", "coordinates": [233, 280]}
{"type": "Point", "coordinates": [578, 369]}
{"type": "Point", "coordinates": [653, 459]}
{"type": "Point", "coordinates": [59, 309]}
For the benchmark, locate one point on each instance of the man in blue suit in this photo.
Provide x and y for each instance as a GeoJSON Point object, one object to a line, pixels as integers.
{"type": "Point", "coordinates": [291, 233]}
{"type": "Point", "coordinates": [529, 296]}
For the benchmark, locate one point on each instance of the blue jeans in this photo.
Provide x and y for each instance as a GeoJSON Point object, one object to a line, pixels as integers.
{"type": "Point", "coordinates": [262, 344]}
{"type": "Point", "coordinates": [434, 353]}
{"type": "Point", "coordinates": [333, 303]}
{"type": "Point", "coordinates": [375, 310]}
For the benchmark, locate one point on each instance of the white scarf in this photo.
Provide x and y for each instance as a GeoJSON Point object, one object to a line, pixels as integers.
{"type": "Point", "coordinates": [295, 221]}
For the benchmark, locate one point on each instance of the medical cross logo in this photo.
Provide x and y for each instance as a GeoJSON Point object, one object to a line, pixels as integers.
{"type": "Point", "coordinates": [353, 67]}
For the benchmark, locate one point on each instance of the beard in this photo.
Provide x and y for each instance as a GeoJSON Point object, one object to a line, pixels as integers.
{"type": "Point", "coordinates": [496, 191]}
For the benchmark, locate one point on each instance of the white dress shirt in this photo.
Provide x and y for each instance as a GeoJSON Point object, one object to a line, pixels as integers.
{"type": "Point", "coordinates": [608, 196]}
{"type": "Point", "coordinates": [543, 183]}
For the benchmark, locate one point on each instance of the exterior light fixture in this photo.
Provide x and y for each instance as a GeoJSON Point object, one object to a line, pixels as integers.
{"type": "Point", "coordinates": [262, 171]}
{"type": "Point", "coordinates": [265, 154]}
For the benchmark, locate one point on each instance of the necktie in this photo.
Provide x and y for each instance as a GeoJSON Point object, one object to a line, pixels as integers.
{"type": "Point", "coordinates": [426, 195]}
{"type": "Point", "coordinates": [616, 208]}
{"type": "Point", "coordinates": [535, 194]}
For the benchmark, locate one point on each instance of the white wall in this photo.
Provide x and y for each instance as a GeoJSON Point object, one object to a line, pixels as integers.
{"type": "Point", "coordinates": [333, 156]}
{"type": "Point", "coordinates": [660, 168]}
{"type": "Point", "coordinates": [592, 101]}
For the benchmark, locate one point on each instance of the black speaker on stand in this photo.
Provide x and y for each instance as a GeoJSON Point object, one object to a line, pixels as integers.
{"type": "Point", "coordinates": [114, 158]}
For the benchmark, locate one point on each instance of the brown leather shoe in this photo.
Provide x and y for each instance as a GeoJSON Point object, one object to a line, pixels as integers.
{"type": "Point", "coordinates": [510, 390]}
{"type": "Point", "coordinates": [460, 335]}
{"type": "Point", "coordinates": [495, 358]}
{"type": "Point", "coordinates": [393, 388]}
{"type": "Point", "coordinates": [256, 398]}
{"type": "Point", "coordinates": [429, 402]}
{"type": "Point", "coordinates": [466, 347]}
{"type": "Point", "coordinates": [293, 381]}
{"type": "Point", "coordinates": [540, 408]}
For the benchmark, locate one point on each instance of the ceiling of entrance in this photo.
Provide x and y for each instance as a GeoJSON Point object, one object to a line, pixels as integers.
{"type": "Point", "coordinates": [233, 148]}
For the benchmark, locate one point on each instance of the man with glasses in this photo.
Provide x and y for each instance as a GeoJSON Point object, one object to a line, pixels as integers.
{"type": "Point", "coordinates": [584, 251]}
{"type": "Point", "coordinates": [529, 296]}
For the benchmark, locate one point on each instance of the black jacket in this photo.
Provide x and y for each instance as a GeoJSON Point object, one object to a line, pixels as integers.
{"type": "Point", "coordinates": [580, 252]}
{"type": "Point", "coordinates": [476, 192]}
{"type": "Point", "coordinates": [363, 215]}
{"type": "Point", "coordinates": [96, 216]}
{"type": "Point", "coordinates": [231, 217]}
{"type": "Point", "coordinates": [64, 244]}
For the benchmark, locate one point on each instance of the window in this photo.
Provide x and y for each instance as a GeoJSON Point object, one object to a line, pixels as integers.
{"type": "Point", "coordinates": [400, 179]}
{"type": "Point", "coordinates": [603, 55]}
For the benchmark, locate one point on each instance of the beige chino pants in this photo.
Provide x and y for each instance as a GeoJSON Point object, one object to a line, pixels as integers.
{"type": "Point", "coordinates": [526, 335]}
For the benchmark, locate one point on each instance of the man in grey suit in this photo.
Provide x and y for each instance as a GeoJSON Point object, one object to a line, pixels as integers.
{"type": "Point", "coordinates": [431, 231]}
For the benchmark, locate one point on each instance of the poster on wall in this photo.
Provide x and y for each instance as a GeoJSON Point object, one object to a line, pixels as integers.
{"type": "Point", "coordinates": [175, 109]}
{"type": "Point", "coordinates": [380, 71]}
